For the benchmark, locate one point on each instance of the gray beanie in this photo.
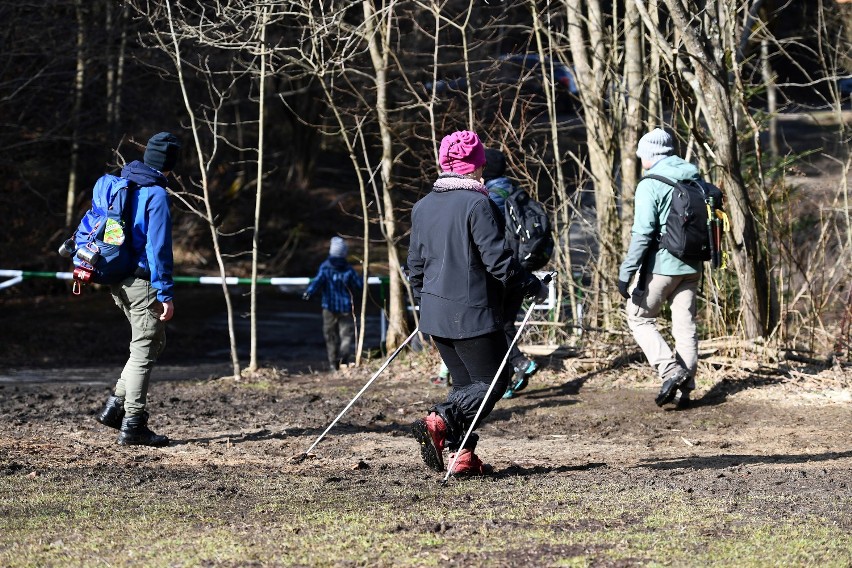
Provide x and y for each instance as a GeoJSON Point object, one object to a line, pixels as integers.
{"type": "Point", "coordinates": [338, 247]}
{"type": "Point", "coordinates": [655, 145]}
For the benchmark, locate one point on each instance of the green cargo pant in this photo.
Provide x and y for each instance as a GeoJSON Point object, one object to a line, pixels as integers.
{"type": "Point", "coordinates": [138, 300]}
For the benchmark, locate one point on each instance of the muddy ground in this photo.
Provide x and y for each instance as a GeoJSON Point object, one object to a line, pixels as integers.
{"type": "Point", "coordinates": [588, 471]}
{"type": "Point", "coordinates": [761, 451]}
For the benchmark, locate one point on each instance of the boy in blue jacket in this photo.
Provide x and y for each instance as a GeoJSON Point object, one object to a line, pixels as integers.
{"type": "Point", "coordinates": [339, 284]}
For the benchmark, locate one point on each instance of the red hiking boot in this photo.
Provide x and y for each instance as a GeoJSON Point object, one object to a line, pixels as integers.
{"type": "Point", "coordinates": [469, 464]}
{"type": "Point", "coordinates": [430, 433]}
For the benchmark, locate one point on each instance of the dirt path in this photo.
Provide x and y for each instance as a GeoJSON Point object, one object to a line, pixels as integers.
{"type": "Point", "coordinates": [588, 471]}
{"type": "Point", "coordinates": [753, 434]}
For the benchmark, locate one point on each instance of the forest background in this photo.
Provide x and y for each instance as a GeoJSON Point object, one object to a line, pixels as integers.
{"type": "Point", "coordinates": [304, 119]}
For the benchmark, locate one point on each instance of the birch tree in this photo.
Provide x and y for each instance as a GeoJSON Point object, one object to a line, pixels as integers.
{"type": "Point", "coordinates": [185, 41]}
{"type": "Point", "coordinates": [262, 18]}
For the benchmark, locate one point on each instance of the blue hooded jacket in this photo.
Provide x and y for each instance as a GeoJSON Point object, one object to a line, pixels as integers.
{"type": "Point", "coordinates": [151, 226]}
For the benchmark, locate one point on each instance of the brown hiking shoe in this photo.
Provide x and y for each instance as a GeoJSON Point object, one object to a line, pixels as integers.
{"type": "Point", "coordinates": [430, 433]}
{"type": "Point", "coordinates": [469, 464]}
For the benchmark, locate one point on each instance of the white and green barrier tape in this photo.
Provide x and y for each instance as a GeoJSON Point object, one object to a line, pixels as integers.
{"type": "Point", "coordinates": [18, 276]}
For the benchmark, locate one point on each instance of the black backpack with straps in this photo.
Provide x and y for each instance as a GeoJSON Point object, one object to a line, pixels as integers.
{"type": "Point", "coordinates": [692, 231]}
{"type": "Point", "coordinates": [528, 229]}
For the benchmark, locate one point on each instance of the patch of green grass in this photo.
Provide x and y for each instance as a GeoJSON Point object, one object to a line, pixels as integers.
{"type": "Point", "coordinates": [228, 518]}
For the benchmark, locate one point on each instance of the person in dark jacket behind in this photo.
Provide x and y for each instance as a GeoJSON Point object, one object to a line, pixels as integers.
{"type": "Point", "coordinates": [146, 296]}
{"type": "Point", "coordinates": [499, 188]}
{"type": "Point", "coordinates": [339, 283]}
{"type": "Point", "coordinates": [460, 270]}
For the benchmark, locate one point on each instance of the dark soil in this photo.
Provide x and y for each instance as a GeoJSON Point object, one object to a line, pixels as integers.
{"type": "Point", "coordinates": [774, 446]}
{"type": "Point", "coordinates": [770, 446]}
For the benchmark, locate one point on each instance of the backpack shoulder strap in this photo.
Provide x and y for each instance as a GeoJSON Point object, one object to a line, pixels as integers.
{"type": "Point", "coordinates": [663, 179]}
{"type": "Point", "coordinates": [118, 192]}
{"type": "Point", "coordinates": [697, 183]}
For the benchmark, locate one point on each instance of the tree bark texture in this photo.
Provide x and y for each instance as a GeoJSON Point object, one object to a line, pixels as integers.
{"type": "Point", "coordinates": [696, 62]}
{"type": "Point", "coordinates": [375, 29]}
{"type": "Point", "coordinates": [591, 61]}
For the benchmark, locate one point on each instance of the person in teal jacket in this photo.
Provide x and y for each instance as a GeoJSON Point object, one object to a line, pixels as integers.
{"type": "Point", "coordinates": [651, 275]}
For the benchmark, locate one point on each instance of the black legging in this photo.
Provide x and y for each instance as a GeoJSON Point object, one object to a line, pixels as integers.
{"type": "Point", "coordinates": [511, 306]}
{"type": "Point", "coordinates": [473, 363]}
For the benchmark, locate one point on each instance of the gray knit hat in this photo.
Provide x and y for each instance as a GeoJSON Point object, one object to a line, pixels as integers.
{"type": "Point", "coordinates": [338, 247]}
{"type": "Point", "coordinates": [655, 145]}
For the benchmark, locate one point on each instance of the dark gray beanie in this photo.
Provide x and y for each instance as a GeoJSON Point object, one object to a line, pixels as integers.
{"type": "Point", "coordinates": [162, 152]}
{"type": "Point", "coordinates": [495, 164]}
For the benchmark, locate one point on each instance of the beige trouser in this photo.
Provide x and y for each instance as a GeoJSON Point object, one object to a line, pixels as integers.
{"type": "Point", "coordinates": [643, 307]}
{"type": "Point", "coordinates": [138, 300]}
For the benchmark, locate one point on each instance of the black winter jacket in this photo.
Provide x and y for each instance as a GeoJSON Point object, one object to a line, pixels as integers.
{"type": "Point", "coordinates": [458, 261]}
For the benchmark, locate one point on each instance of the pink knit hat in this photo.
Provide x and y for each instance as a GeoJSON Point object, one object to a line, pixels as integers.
{"type": "Point", "coordinates": [461, 152]}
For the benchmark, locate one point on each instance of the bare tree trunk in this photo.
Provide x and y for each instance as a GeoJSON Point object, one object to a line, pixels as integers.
{"type": "Point", "coordinates": [707, 77]}
{"type": "Point", "coordinates": [654, 77]}
{"type": "Point", "coordinates": [374, 28]}
{"type": "Point", "coordinates": [768, 78]}
{"type": "Point", "coordinates": [633, 115]}
{"type": "Point", "coordinates": [365, 275]}
{"type": "Point", "coordinates": [256, 236]}
{"type": "Point", "coordinates": [591, 66]}
{"type": "Point", "coordinates": [203, 167]}
{"type": "Point", "coordinates": [563, 228]}
{"type": "Point", "coordinates": [115, 66]}
{"type": "Point", "coordinates": [76, 110]}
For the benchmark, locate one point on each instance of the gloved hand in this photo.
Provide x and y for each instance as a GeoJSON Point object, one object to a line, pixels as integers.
{"type": "Point", "coordinates": [623, 289]}
{"type": "Point", "coordinates": [306, 296]}
{"type": "Point", "coordinates": [536, 289]}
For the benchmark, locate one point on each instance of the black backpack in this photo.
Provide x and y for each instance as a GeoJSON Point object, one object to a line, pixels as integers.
{"type": "Point", "coordinates": [528, 229]}
{"type": "Point", "coordinates": [693, 226]}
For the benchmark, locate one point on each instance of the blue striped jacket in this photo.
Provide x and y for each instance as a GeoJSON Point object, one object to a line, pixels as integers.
{"type": "Point", "coordinates": [338, 282]}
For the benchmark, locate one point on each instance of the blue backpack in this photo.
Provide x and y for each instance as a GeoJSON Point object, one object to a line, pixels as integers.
{"type": "Point", "coordinates": [102, 249]}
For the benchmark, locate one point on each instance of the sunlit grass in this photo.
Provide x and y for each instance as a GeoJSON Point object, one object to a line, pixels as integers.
{"type": "Point", "coordinates": [274, 519]}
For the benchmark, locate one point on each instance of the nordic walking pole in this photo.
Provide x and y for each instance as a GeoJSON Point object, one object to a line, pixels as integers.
{"type": "Point", "coordinates": [303, 455]}
{"type": "Point", "coordinates": [545, 280]}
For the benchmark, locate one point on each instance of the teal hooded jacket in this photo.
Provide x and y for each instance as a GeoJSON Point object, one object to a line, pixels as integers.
{"type": "Point", "coordinates": [652, 202]}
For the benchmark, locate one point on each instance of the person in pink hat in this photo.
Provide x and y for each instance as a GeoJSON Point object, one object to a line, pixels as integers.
{"type": "Point", "coordinates": [460, 270]}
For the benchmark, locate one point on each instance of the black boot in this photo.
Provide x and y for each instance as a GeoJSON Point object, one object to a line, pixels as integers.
{"type": "Point", "coordinates": [671, 385]}
{"type": "Point", "coordinates": [135, 432]}
{"type": "Point", "coordinates": [112, 413]}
